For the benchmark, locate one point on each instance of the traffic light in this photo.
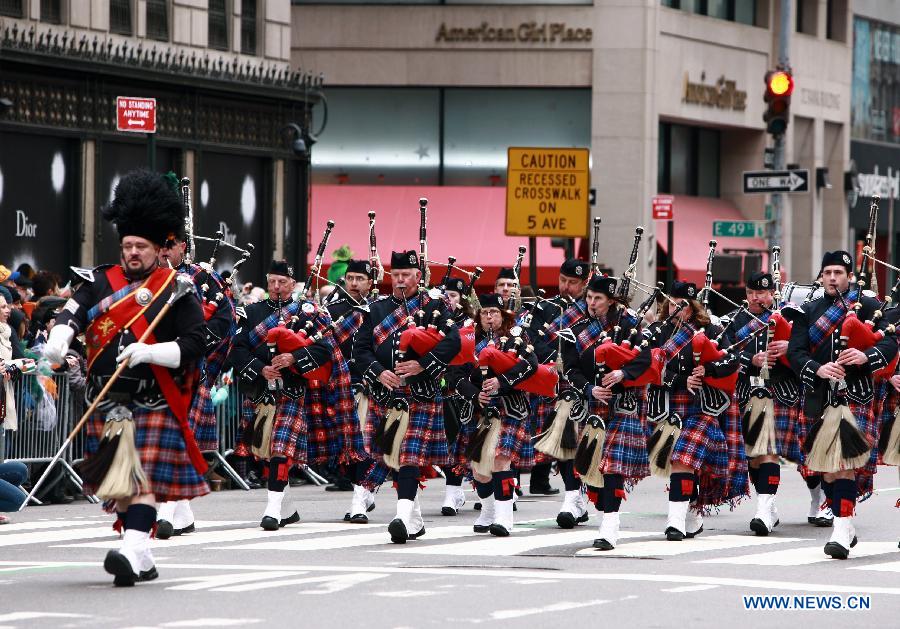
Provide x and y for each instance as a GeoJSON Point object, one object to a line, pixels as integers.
{"type": "Point", "coordinates": [779, 87]}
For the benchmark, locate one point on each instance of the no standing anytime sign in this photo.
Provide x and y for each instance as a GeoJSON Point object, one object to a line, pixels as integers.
{"type": "Point", "coordinates": [136, 114]}
{"type": "Point", "coordinates": [547, 192]}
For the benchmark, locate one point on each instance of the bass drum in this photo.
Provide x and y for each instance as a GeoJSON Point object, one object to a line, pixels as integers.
{"type": "Point", "coordinates": [799, 294]}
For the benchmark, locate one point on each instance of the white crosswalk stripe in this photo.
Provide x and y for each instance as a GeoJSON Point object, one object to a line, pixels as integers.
{"type": "Point", "coordinates": [804, 556]}
{"type": "Point", "coordinates": [349, 540]}
{"type": "Point", "coordinates": [701, 543]}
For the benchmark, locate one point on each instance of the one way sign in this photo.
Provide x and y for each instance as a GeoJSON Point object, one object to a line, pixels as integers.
{"type": "Point", "coordinates": [763, 181]}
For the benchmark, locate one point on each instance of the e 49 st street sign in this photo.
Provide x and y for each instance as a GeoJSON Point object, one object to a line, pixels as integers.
{"type": "Point", "coordinates": [766, 181]}
{"type": "Point", "coordinates": [548, 192]}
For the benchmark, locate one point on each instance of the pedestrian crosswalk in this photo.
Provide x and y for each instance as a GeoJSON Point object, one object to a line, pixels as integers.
{"type": "Point", "coordinates": [534, 538]}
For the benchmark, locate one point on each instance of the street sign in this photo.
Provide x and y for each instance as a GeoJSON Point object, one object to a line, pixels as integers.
{"type": "Point", "coordinates": [663, 208]}
{"type": "Point", "coordinates": [136, 115]}
{"type": "Point", "coordinates": [763, 181]}
{"type": "Point", "coordinates": [768, 158]}
{"type": "Point", "coordinates": [547, 192]}
{"type": "Point", "coordinates": [739, 229]}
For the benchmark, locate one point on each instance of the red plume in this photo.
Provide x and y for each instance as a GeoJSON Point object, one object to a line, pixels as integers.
{"type": "Point", "coordinates": [709, 352]}
{"type": "Point", "coordinates": [782, 333]}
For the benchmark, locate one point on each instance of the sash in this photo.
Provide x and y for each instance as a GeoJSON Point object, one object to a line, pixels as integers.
{"type": "Point", "coordinates": [825, 325]}
{"type": "Point", "coordinates": [678, 341]}
{"type": "Point", "coordinates": [590, 334]}
{"type": "Point", "coordinates": [178, 398]}
{"type": "Point", "coordinates": [752, 326]}
{"type": "Point", "coordinates": [113, 316]}
{"type": "Point", "coordinates": [391, 323]}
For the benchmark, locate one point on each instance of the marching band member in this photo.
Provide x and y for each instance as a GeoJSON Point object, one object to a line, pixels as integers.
{"type": "Point", "coordinates": [140, 447]}
{"type": "Point", "coordinates": [406, 403]}
{"type": "Point", "coordinates": [548, 316]}
{"type": "Point", "coordinates": [176, 518]}
{"type": "Point", "coordinates": [495, 440]}
{"type": "Point", "coordinates": [839, 392]}
{"type": "Point", "coordinates": [621, 458]}
{"type": "Point", "coordinates": [688, 445]}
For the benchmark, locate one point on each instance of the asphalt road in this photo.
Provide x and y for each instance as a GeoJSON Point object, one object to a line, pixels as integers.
{"type": "Point", "coordinates": [327, 573]}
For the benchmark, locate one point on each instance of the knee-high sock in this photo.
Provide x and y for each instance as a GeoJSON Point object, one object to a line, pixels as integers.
{"type": "Point", "coordinates": [567, 471]}
{"type": "Point", "coordinates": [754, 474]}
{"type": "Point", "coordinates": [278, 473]}
{"type": "Point", "coordinates": [613, 492]}
{"type": "Point", "coordinates": [484, 490]}
{"type": "Point", "coordinates": [407, 482]}
{"type": "Point", "coordinates": [768, 478]}
{"type": "Point", "coordinates": [540, 475]}
{"type": "Point", "coordinates": [360, 470]}
{"type": "Point", "coordinates": [504, 485]}
{"type": "Point", "coordinates": [828, 490]}
{"type": "Point", "coordinates": [843, 497]}
{"type": "Point", "coordinates": [813, 481]}
{"type": "Point", "coordinates": [140, 517]}
{"type": "Point", "coordinates": [682, 486]}
{"type": "Point", "coordinates": [452, 479]}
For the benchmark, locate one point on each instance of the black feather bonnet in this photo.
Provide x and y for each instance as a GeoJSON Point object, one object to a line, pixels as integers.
{"type": "Point", "coordinates": [147, 204]}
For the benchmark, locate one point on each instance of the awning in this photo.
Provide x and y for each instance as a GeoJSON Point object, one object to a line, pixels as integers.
{"type": "Point", "coordinates": [467, 222]}
{"type": "Point", "coordinates": [694, 217]}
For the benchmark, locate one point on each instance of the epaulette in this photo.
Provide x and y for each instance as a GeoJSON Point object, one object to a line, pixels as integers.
{"type": "Point", "coordinates": [88, 275]}
{"type": "Point", "coordinates": [240, 313]}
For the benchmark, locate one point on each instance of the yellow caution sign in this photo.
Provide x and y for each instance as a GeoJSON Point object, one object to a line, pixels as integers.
{"type": "Point", "coordinates": [547, 192]}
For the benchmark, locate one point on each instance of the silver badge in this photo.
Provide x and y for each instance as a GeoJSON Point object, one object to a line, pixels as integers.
{"type": "Point", "coordinates": [690, 291]}
{"type": "Point", "coordinates": [764, 282]}
{"type": "Point", "coordinates": [412, 258]}
{"type": "Point", "coordinates": [846, 259]}
{"type": "Point", "coordinates": [143, 296]}
{"type": "Point", "coordinates": [308, 308]}
{"type": "Point", "coordinates": [434, 293]}
{"type": "Point", "coordinates": [515, 331]}
{"type": "Point", "coordinates": [578, 270]}
{"type": "Point", "coordinates": [368, 268]}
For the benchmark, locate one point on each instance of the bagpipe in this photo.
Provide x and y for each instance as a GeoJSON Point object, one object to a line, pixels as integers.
{"type": "Point", "coordinates": [286, 340]}
{"type": "Point", "coordinates": [503, 357]}
{"type": "Point", "coordinates": [420, 338]}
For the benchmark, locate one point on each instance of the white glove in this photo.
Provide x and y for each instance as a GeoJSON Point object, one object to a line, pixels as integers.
{"type": "Point", "coordinates": [58, 343]}
{"type": "Point", "coordinates": [162, 354]}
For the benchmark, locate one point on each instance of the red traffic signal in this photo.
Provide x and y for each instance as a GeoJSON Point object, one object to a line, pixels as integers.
{"type": "Point", "coordinates": [779, 87]}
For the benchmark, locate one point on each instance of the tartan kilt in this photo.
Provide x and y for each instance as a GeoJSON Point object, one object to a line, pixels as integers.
{"type": "Point", "coordinates": [202, 419]}
{"type": "Point", "coordinates": [332, 426]}
{"type": "Point", "coordinates": [161, 449]}
{"type": "Point", "coordinates": [737, 485]}
{"type": "Point", "coordinates": [288, 432]}
{"type": "Point", "coordinates": [425, 442]}
{"type": "Point", "coordinates": [625, 446]}
{"type": "Point", "coordinates": [542, 409]}
{"type": "Point", "coordinates": [513, 443]}
{"type": "Point", "coordinates": [702, 447]}
{"type": "Point", "coordinates": [886, 400]}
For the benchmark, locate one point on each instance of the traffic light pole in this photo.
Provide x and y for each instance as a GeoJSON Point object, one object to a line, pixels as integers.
{"type": "Point", "coordinates": [775, 232]}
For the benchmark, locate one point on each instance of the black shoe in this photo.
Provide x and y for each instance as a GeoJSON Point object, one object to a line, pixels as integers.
{"type": "Point", "coordinates": [359, 518]}
{"type": "Point", "coordinates": [565, 520]}
{"type": "Point", "coordinates": [543, 490]}
{"type": "Point", "coordinates": [449, 511]}
{"type": "Point", "coordinates": [253, 481]}
{"type": "Point", "coordinates": [499, 530]}
{"type": "Point", "coordinates": [477, 506]}
{"type": "Point", "coordinates": [148, 575]}
{"type": "Point", "coordinates": [398, 531]}
{"type": "Point", "coordinates": [836, 551]}
{"type": "Point", "coordinates": [823, 523]}
{"type": "Point", "coordinates": [602, 544]}
{"type": "Point", "coordinates": [695, 533]}
{"type": "Point", "coordinates": [118, 565]}
{"type": "Point", "coordinates": [481, 528]}
{"type": "Point", "coordinates": [674, 535]}
{"type": "Point", "coordinates": [268, 523]}
{"type": "Point", "coordinates": [417, 534]}
{"type": "Point", "coordinates": [519, 491]}
{"type": "Point", "coordinates": [188, 529]}
{"type": "Point", "coordinates": [291, 519]}
{"type": "Point", "coordinates": [341, 485]}
{"type": "Point", "coordinates": [164, 529]}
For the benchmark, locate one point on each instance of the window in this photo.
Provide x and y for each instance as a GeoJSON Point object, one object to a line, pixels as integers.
{"type": "Point", "coordinates": [218, 24]}
{"type": "Point", "coordinates": [119, 16]}
{"type": "Point", "coordinates": [11, 8]}
{"type": "Point", "coordinates": [807, 16]}
{"type": "Point", "coordinates": [157, 20]}
{"type": "Point", "coordinates": [741, 11]}
{"type": "Point", "coordinates": [248, 27]}
{"type": "Point", "coordinates": [51, 11]}
{"type": "Point", "coordinates": [688, 161]}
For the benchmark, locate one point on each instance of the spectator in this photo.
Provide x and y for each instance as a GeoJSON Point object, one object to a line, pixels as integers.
{"type": "Point", "coordinates": [12, 474]}
{"type": "Point", "coordinates": [45, 283]}
{"type": "Point", "coordinates": [26, 270]}
{"type": "Point", "coordinates": [42, 319]}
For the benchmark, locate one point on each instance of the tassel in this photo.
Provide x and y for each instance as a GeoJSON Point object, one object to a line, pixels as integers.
{"type": "Point", "coordinates": [473, 449]}
{"type": "Point", "coordinates": [569, 440]}
{"type": "Point", "coordinates": [94, 468]}
{"type": "Point", "coordinates": [551, 441]}
{"type": "Point", "coordinates": [394, 434]}
{"type": "Point", "coordinates": [483, 461]}
{"type": "Point", "coordinates": [125, 477]}
{"type": "Point", "coordinates": [263, 426]}
{"type": "Point", "coordinates": [661, 444]}
{"type": "Point", "coordinates": [745, 419]}
{"type": "Point", "coordinates": [835, 442]}
{"type": "Point", "coordinates": [362, 410]}
{"type": "Point", "coordinates": [759, 437]}
{"type": "Point", "coordinates": [812, 435]}
{"type": "Point", "coordinates": [890, 453]}
{"type": "Point", "coordinates": [590, 452]}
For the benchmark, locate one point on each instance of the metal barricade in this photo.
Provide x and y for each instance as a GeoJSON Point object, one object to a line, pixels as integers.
{"type": "Point", "coordinates": [228, 420]}
{"type": "Point", "coordinates": [46, 411]}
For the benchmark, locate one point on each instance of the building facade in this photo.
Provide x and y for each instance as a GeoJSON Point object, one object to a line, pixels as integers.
{"type": "Point", "coordinates": [667, 95]}
{"type": "Point", "coordinates": [224, 86]}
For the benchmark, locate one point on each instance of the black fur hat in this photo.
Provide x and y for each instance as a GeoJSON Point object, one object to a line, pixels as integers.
{"type": "Point", "coordinates": [147, 204]}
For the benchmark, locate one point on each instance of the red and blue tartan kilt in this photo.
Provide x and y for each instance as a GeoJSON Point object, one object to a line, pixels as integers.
{"type": "Point", "coordinates": [288, 433]}
{"type": "Point", "coordinates": [332, 426]}
{"type": "Point", "coordinates": [425, 442]}
{"type": "Point", "coordinates": [787, 427]}
{"type": "Point", "coordinates": [542, 409]}
{"type": "Point", "coordinates": [513, 443]}
{"type": "Point", "coordinates": [737, 485]}
{"type": "Point", "coordinates": [886, 400]}
{"type": "Point", "coordinates": [160, 446]}
{"type": "Point", "coordinates": [202, 419]}
{"type": "Point", "coordinates": [625, 447]}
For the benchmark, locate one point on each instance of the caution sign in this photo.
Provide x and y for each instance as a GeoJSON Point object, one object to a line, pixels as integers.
{"type": "Point", "coordinates": [547, 192]}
